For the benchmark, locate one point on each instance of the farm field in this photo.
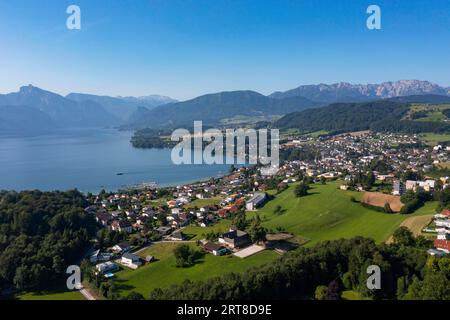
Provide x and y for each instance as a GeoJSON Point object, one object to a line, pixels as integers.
{"type": "Point", "coordinates": [415, 224]}
{"type": "Point", "coordinates": [328, 214]}
{"type": "Point", "coordinates": [431, 112]}
{"type": "Point", "coordinates": [379, 199]}
{"type": "Point", "coordinates": [164, 272]}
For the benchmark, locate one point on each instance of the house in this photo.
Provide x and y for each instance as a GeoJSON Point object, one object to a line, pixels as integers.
{"type": "Point", "coordinates": [442, 223]}
{"type": "Point", "coordinates": [94, 257]}
{"type": "Point", "coordinates": [215, 249]}
{"type": "Point", "coordinates": [91, 209]}
{"type": "Point", "coordinates": [164, 231]}
{"type": "Point", "coordinates": [178, 236]}
{"type": "Point", "coordinates": [256, 201]}
{"type": "Point", "coordinates": [442, 245]}
{"type": "Point", "coordinates": [426, 185]}
{"type": "Point", "coordinates": [107, 267]}
{"type": "Point", "coordinates": [397, 188]}
{"type": "Point", "coordinates": [103, 218]}
{"type": "Point", "coordinates": [446, 213]}
{"type": "Point", "coordinates": [122, 247]}
{"type": "Point", "coordinates": [122, 226]}
{"type": "Point", "coordinates": [223, 213]}
{"type": "Point", "coordinates": [131, 260]}
{"type": "Point", "coordinates": [97, 256]}
{"type": "Point", "coordinates": [235, 239]}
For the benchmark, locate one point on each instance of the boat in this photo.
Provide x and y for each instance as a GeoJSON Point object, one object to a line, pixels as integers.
{"type": "Point", "coordinates": [120, 173]}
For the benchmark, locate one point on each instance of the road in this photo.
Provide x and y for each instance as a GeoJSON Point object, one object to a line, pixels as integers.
{"type": "Point", "coordinates": [87, 294]}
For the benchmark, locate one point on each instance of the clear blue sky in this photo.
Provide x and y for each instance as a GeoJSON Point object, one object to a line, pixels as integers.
{"type": "Point", "coordinates": [185, 48]}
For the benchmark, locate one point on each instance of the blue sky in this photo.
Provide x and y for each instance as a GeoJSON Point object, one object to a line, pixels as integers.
{"type": "Point", "coordinates": [185, 48]}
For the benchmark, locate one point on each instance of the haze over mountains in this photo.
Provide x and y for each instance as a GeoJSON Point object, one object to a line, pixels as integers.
{"type": "Point", "coordinates": [346, 92]}
{"type": "Point", "coordinates": [213, 108]}
{"type": "Point", "coordinates": [33, 111]}
{"type": "Point", "coordinates": [122, 107]}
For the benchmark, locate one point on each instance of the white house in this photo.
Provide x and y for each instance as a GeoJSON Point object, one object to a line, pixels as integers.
{"type": "Point", "coordinates": [131, 260]}
{"type": "Point", "coordinates": [255, 201]}
{"type": "Point", "coordinates": [107, 267]}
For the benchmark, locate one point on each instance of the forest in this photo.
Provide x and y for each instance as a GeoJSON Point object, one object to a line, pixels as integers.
{"type": "Point", "coordinates": [378, 116]}
{"type": "Point", "coordinates": [41, 233]}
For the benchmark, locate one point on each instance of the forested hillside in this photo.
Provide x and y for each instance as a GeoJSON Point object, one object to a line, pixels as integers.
{"type": "Point", "coordinates": [41, 233]}
{"type": "Point", "coordinates": [382, 115]}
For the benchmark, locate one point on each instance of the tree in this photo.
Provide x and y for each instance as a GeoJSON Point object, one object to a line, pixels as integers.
{"type": "Point", "coordinates": [256, 231]}
{"type": "Point", "coordinates": [134, 296]}
{"type": "Point", "coordinates": [87, 271]}
{"type": "Point", "coordinates": [403, 237]}
{"type": "Point", "coordinates": [301, 190]}
{"type": "Point", "coordinates": [278, 210]}
{"type": "Point", "coordinates": [240, 221]}
{"type": "Point", "coordinates": [185, 256]}
{"type": "Point", "coordinates": [162, 218]}
{"type": "Point", "coordinates": [321, 293]}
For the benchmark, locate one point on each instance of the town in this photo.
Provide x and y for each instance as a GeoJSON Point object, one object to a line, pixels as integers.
{"type": "Point", "coordinates": [392, 174]}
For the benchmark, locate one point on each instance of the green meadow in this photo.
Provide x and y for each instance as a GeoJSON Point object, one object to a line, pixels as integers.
{"type": "Point", "coordinates": [51, 295]}
{"type": "Point", "coordinates": [435, 138]}
{"type": "Point", "coordinates": [327, 213]}
{"type": "Point", "coordinates": [164, 272]}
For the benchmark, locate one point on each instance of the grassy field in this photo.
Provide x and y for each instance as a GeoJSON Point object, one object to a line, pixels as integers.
{"type": "Point", "coordinates": [434, 138]}
{"type": "Point", "coordinates": [197, 233]}
{"type": "Point", "coordinates": [164, 272]}
{"type": "Point", "coordinates": [327, 214]}
{"type": "Point", "coordinates": [51, 295]}
{"type": "Point", "coordinates": [198, 203]}
{"type": "Point", "coordinates": [432, 112]}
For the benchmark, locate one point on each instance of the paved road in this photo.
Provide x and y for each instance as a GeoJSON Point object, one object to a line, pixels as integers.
{"type": "Point", "coordinates": [87, 294]}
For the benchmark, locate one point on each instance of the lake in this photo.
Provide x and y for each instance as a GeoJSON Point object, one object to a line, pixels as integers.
{"type": "Point", "coordinates": [89, 160]}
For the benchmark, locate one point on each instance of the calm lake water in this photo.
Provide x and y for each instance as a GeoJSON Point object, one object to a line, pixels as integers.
{"type": "Point", "coordinates": [89, 160]}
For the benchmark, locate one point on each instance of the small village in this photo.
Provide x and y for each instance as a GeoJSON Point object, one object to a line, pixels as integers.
{"type": "Point", "coordinates": [385, 167]}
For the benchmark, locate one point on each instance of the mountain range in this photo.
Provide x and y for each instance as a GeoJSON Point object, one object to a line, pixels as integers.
{"type": "Point", "coordinates": [214, 108]}
{"type": "Point", "coordinates": [122, 107]}
{"type": "Point", "coordinates": [32, 110]}
{"type": "Point", "coordinates": [346, 92]}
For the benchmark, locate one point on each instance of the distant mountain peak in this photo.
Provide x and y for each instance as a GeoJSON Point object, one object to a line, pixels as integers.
{"type": "Point", "coordinates": [345, 92]}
